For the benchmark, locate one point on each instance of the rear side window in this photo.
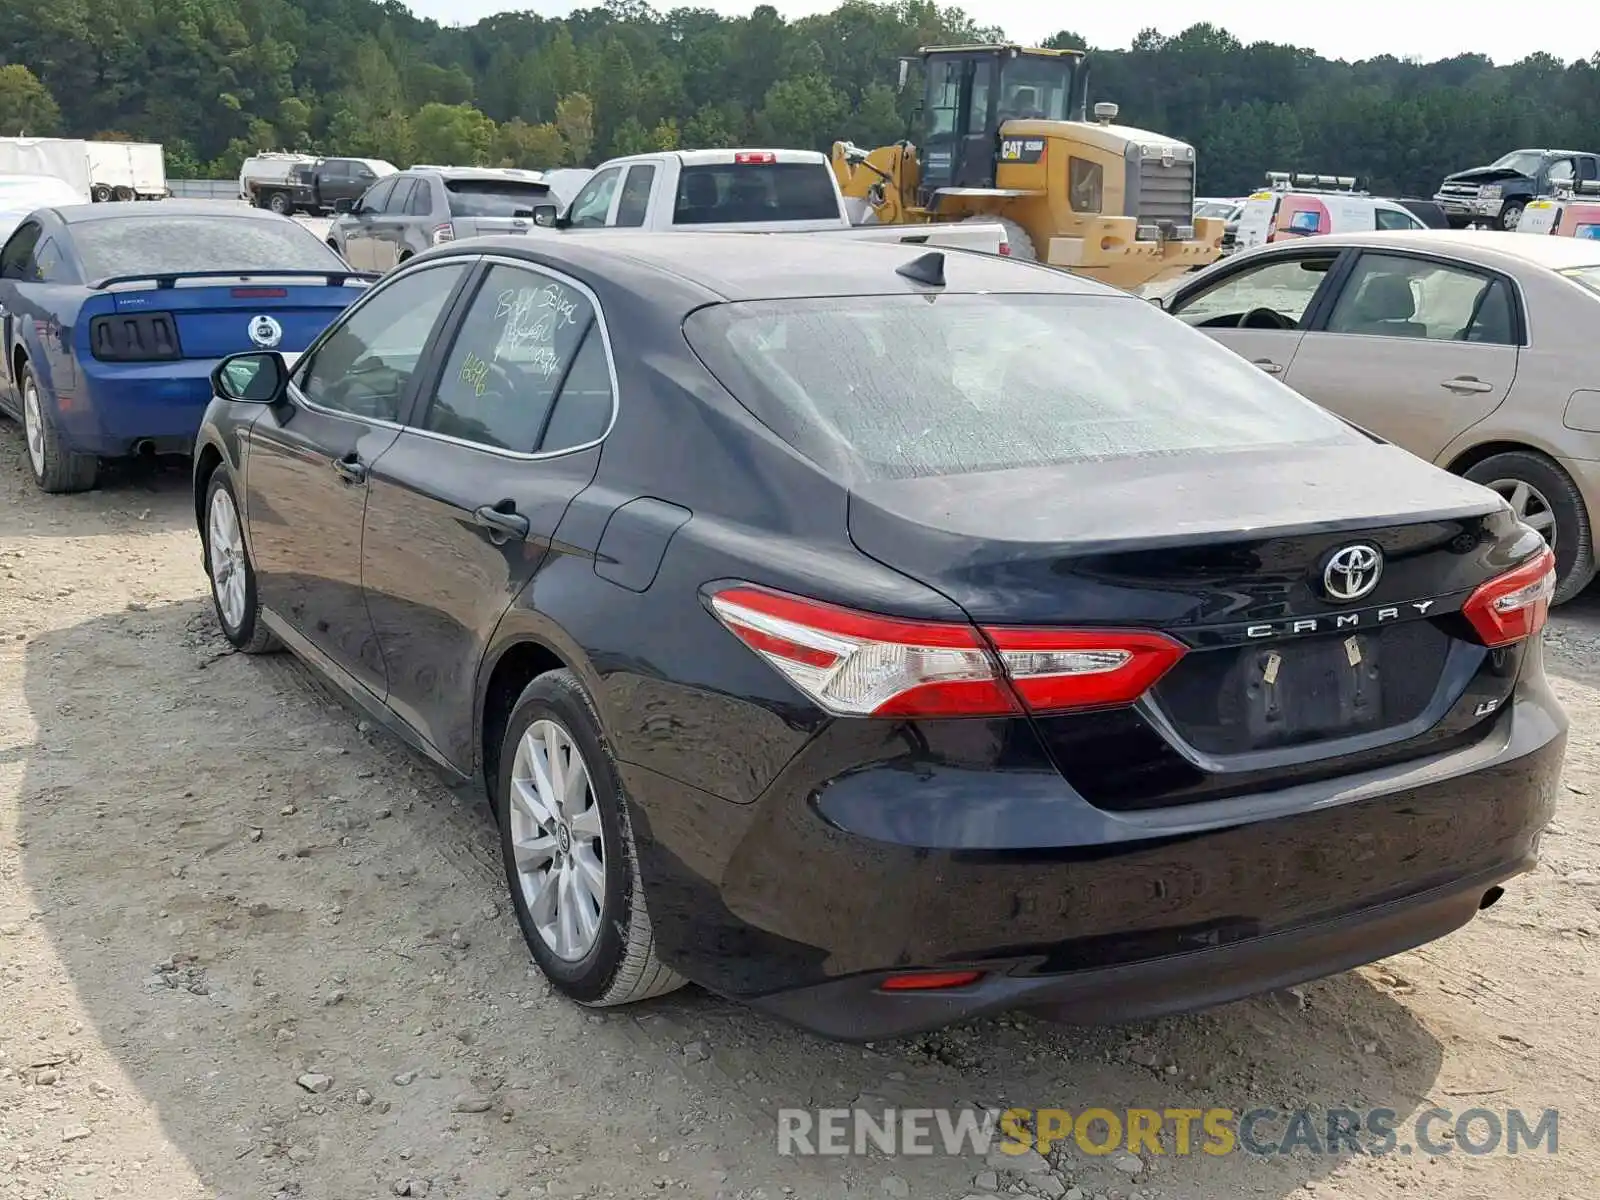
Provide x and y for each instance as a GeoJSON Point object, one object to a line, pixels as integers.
{"type": "Point", "coordinates": [144, 246]}
{"type": "Point", "coordinates": [528, 371]}
{"type": "Point", "coordinates": [731, 193]}
{"type": "Point", "coordinates": [888, 387]}
{"type": "Point", "coordinates": [400, 199]}
{"type": "Point", "coordinates": [635, 203]}
{"type": "Point", "coordinates": [494, 197]}
{"type": "Point", "coordinates": [47, 262]}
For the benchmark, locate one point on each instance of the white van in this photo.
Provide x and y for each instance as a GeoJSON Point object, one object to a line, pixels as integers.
{"type": "Point", "coordinates": [1308, 205]}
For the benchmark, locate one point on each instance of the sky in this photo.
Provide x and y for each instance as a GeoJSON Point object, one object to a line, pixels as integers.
{"type": "Point", "coordinates": [1348, 29]}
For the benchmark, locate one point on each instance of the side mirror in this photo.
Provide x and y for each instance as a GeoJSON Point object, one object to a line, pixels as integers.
{"type": "Point", "coordinates": [546, 216]}
{"type": "Point", "coordinates": [905, 73]}
{"type": "Point", "coordinates": [256, 377]}
{"type": "Point", "coordinates": [344, 205]}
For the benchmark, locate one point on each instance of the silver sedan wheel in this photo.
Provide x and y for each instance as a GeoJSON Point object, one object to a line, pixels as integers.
{"type": "Point", "coordinates": [557, 839]}
{"type": "Point", "coordinates": [33, 426]}
{"type": "Point", "coordinates": [1530, 506]}
{"type": "Point", "coordinates": [225, 547]}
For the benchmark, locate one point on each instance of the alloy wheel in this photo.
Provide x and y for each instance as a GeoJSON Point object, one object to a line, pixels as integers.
{"type": "Point", "coordinates": [557, 840]}
{"type": "Point", "coordinates": [33, 426]}
{"type": "Point", "coordinates": [1530, 505]}
{"type": "Point", "coordinates": [225, 548]}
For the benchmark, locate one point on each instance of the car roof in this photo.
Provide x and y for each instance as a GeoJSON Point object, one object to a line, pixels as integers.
{"type": "Point", "coordinates": [775, 266]}
{"type": "Point", "coordinates": [77, 214]}
{"type": "Point", "coordinates": [1504, 249]}
{"type": "Point", "coordinates": [504, 174]}
{"type": "Point", "coordinates": [702, 158]}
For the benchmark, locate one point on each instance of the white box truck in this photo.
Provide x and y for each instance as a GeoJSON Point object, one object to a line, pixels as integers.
{"type": "Point", "coordinates": [66, 159]}
{"type": "Point", "coordinates": [100, 170]}
{"type": "Point", "coordinates": [127, 171]}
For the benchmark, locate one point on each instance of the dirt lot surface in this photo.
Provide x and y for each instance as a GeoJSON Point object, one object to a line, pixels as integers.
{"type": "Point", "coordinates": [250, 948]}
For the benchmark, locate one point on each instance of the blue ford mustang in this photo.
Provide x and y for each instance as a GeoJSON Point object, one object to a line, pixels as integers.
{"type": "Point", "coordinates": [114, 314]}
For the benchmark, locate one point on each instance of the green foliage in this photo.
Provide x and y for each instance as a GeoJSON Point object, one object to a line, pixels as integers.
{"type": "Point", "coordinates": [26, 105]}
{"type": "Point", "coordinates": [216, 80]}
{"type": "Point", "coordinates": [455, 134]}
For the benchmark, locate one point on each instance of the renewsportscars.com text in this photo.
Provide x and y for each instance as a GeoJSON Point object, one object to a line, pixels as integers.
{"type": "Point", "coordinates": [1166, 1131]}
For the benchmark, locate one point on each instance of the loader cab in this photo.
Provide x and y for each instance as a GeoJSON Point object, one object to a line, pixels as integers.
{"type": "Point", "coordinates": [970, 92]}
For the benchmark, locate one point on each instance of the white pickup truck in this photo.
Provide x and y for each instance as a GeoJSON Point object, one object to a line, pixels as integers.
{"type": "Point", "coordinates": [740, 191]}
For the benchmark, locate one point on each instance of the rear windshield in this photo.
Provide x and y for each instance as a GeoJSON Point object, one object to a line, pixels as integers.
{"type": "Point", "coordinates": [494, 197]}
{"type": "Point", "coordinates": [111, 246]}
{"type": "Point", "coordinates": [729, 193]}
{"type": "Point", "coordinates": [895, 387]}
{"type": "Point", "coordinates": [1588, 277]}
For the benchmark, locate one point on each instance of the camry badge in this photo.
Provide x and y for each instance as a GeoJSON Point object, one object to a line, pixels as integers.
{"type": "Point", "coordinates": [265, 331]}
{"type": "Point", "coordinates": [1352, 572]}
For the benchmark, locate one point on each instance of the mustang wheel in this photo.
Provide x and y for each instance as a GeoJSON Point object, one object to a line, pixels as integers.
{"type": "Point", "coordinates": [569, 852]}
{"type": "Point", "coordinates": [55, 468]}
{"type": "Point", "coordinates": [233, 579]}
{"type": "Point", "coordinates": [1544, 497]}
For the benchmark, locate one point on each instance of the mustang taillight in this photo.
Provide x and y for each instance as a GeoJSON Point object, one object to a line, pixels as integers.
{"type": "Point", "coordinates": [863, 665]}
{"type": "Point", "coordinates": [1515, 605]}
{"type": "Point", "coordinates": [134, 337]}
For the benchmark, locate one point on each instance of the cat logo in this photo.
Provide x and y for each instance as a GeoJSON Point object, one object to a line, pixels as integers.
{"type": "Point", "coordinates": [1023, 150]}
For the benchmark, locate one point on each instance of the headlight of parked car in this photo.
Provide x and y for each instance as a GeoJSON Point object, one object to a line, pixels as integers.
{"type": "Point", "coordinates": [1492, 191]}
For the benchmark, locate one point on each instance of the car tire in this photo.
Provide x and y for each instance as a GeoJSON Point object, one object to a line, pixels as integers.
{"type": "Point", "coordinates": [1511, 214]}
{"type": "Point", "coordinates": [55, 468]}
{"type": "Point", "coordinates": [1544, 495]}
{"type": "Point", "coordinates": [610, 957]}
{"type": "Point", "coordinates": [1018, 243]}
{"type": "Point", "coordinates": [232, 575]}
{"type": "Point", "coordinates": [279, 203]}
{"type": "Point", "coordinates": [100, 193]}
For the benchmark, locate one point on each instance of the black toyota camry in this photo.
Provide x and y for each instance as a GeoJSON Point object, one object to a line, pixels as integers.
{"type": "Point", "coordinates": [883, 636]}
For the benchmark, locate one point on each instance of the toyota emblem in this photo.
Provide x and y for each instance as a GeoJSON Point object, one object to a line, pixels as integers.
{"type": "Point", "coordinates": [265, 331]}
{"type": "Point", "coordinates": [1352, 572]}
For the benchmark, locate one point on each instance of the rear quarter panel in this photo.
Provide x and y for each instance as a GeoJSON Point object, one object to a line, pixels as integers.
{"type": "Point", "coordinates": [40, 324]}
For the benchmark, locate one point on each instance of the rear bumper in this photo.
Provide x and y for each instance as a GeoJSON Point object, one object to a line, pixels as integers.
{"type": "Point", "coordinates": [114, 408]}
{"type": "Point", "coordinates": [855, 1009]}
{"type": "Point", "coordinates": [801, 902]}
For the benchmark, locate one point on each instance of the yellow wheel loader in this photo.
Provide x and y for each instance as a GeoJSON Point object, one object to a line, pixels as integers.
{"type": "Point", "coordinates": [999, 141]}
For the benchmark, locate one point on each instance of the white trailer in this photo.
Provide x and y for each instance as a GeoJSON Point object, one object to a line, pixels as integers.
{"type": "Point", "coordinates": [66, 159]}
{"type": "Point", "coordinates": [127, 171]}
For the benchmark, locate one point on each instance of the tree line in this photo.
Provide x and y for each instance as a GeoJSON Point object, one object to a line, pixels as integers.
{"type": "Point", "coordinates": [217, 80]}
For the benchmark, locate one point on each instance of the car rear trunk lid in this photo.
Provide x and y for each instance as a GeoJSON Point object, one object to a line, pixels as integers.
{"type": "Point", "coordinates": [1230, 554]}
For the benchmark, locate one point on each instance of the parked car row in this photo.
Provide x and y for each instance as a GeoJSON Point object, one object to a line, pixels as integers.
{"type": "Point", "coordinates": [749, 191]}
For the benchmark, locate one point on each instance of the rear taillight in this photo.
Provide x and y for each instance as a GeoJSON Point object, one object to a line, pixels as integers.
{"type": "Point", "coordinates": [1515, 605]}
{"type": "Point", "coordinates": [1005, 248]}
{"type": "Point", "coordinates": [755, 156]}
{"type": "Point", "coordinates": [929, 981]}
{"type": "Point", "coordinates": [134, 337]}
{"type": "Point", "coordinates": [862, 665]}
{"type": "Point", "coordinates": [258, 293]}
{"type": "Point", "coordinates": [443, 233]}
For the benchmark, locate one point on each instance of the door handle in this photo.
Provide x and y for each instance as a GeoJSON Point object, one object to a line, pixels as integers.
{"type": "Point", "coordinates": [1466, 384]}
{"type": "Point", "coordinates": [1267, 365]}
{"type": "Point", "coordinates": [501, 520]}
{"type": "Point", "coordinates": [350, 468]}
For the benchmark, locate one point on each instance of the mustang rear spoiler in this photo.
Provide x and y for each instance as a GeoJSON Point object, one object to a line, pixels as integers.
{"type": "Point", "coordinates": [167, 279]}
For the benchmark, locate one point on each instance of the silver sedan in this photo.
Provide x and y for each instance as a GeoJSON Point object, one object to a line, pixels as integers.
{"type": "Point", "coordinates": [1478, 351]}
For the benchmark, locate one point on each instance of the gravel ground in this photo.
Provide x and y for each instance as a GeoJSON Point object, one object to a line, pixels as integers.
{"type": "Point", "coordinates": [251, 948]}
